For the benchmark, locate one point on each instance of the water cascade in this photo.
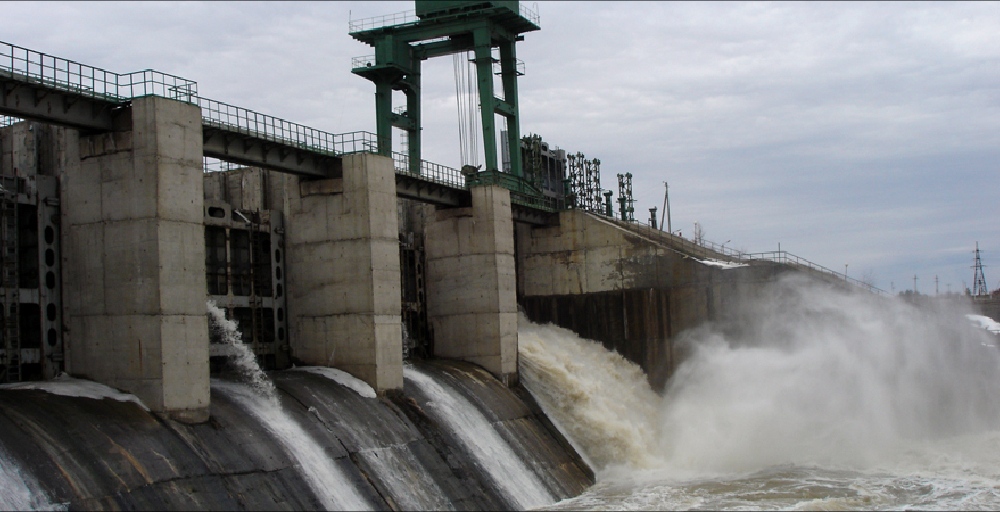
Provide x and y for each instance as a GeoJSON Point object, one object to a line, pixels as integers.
{"type": "Point", "coordinates": [307, 439]}
{"type": "Point", "coordinates": [243, 357]}
{"type": "Point", "coordinates": [18, 489]}
{"type": "Point", "coordinates": [330, 484]}
{"type": "Point", "coordinates": [260, 399]}
{"type": "Point", "coordinates": [482, 441]}
{"type": "Point", "coordinates": [811, 396]}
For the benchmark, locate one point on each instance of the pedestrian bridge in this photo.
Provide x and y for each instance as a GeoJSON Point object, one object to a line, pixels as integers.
{"type": "Point", "coordinates": [41, 87]}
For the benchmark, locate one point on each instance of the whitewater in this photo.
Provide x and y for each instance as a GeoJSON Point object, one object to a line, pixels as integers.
{"type": "Point", "coordinates": [811, 397]}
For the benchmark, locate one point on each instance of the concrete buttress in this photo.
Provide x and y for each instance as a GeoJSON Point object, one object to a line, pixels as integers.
{"type": "Point", "coordinates": [134, 257]}
{"type": "Point", "coordinates": [342, 261]}
{"type": "Point", "coordinates": [471, 282]}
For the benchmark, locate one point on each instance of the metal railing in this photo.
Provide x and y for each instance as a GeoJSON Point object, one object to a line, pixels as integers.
{"type": "Point", "coordinates": [387, 20]}
{"type": "Point", "coordinates": [262, 126]}
{"type": "Point", "coordinates": [528, 14]}
{"type": "Point", "coordinates": [66, 75]}
{"type": "Point", "coordinates": [210, 164]}
{"type": "Point", "coordinates": [791, 259]}
{"type": "Point", "coordinates": [521, 192]}
{"type": "Point", "coordinates": [429, 171]}
{"type": "Point", "coordinates": [365, 61]}
{"type": "Point", "coordinates": [405, 17]}
{"type": "Point", "coordinates": [709, 249]}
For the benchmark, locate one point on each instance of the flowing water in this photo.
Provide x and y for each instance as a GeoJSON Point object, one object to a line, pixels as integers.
{"type": "Point", "coordinates": [19, 490]}
{"type": "Point", "coordinates": [814, 399]}
{"type": "Point", "coordinates": [243, 357]}
{"type": "Point", "coordinates": [471, 428]}
{"type": "Point", "coordinates": [259, 398]}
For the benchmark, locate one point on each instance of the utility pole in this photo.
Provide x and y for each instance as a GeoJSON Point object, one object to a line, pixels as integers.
{"type": "Point", "coordinates": [666, 208]}
{"type": "Point", "coordinates": [914, 284]}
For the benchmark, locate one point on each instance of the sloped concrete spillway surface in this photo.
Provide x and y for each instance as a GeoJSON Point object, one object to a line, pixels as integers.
{"type": "Point", "coordinates": [321, 445]}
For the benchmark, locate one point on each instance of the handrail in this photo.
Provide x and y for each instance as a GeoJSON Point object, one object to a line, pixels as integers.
{"type": "Point", "coordinates": [706, 249]}
{"type": "Point", "coordinates": [36, 67]}
{"type": "Point", "coordinates": [429, 171]}
{"type": "Point", "coordinates": [791, 259]}
{"type": "Point", "coordinates": [364, 61]}
{"type": "Point", "coordinates": [386, 20]}
{"type": "Point", "coordinates": [406, 17]}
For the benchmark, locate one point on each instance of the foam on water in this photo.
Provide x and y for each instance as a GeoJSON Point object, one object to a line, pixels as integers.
{"type": "Point", "coordinates": [482, 441]}
{"type": "Point", "coordinates": [243, 358]}
{"type": "Point", "coordinates": [327, 480]}
{"type": "Point", "coordinates": [258, 396]}
{"type": "Point", "coordinates": [812, 398]}
{"type": "Point", "coordinates": [412, 487]}
{"type": "Point", "coordinates": [18, 488]}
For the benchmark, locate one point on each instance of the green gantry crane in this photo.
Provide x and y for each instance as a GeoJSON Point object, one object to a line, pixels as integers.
{"type": "Point", "coordinates": [443, 28]}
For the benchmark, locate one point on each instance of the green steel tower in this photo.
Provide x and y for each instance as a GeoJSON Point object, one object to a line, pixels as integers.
{"type": "Point", "coordinates": [441, 28]}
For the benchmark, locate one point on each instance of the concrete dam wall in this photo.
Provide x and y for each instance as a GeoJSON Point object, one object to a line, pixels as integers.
{"type": "Point", "coordinates": [631, 287]}
{"type": "Point", "coordinates": [321, 445]}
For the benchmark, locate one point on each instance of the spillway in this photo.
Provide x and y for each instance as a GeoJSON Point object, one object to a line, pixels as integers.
{"type": "Point", "coordinates": [317, 444]}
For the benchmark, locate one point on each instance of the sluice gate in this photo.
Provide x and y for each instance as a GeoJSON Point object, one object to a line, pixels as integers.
{"type": "Point", "coordinates": [30, 259]}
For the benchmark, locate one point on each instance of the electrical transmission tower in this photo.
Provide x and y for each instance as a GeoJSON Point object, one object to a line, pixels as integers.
{"type": "Point", "coordinates": [979, 279]}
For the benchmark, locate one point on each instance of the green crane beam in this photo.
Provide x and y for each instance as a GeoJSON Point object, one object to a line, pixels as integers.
{"type": "Point", "coordinates": [445, 28]}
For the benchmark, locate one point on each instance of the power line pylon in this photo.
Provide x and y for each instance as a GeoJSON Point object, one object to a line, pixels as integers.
{"type": "Point", "coordinates": [979, 279]}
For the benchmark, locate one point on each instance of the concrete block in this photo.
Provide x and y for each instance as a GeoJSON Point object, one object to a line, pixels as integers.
{"type": "Point", "coordinates": [179, 192]}
{"type": "Point", "coordinates": [136, 351]}
{"type": "Point", "coordinates": [386, 298]}
{"type": "Point", "coordinates": [79, 356]}
{"type": "Point", "coordinates": [185, 361]}
{"type": "Point", "coordinates": [83, 269]}
{"type": "Point", "coordinates": [149, 391]}
{"type": "Point", "coordinates": [127, 200]}
{"type": "Point", "coordinates": [602, 268]}
{"type": "Point", "coordinates": [313, 227]}
{"type": "Point", "coordinates": [132, 280]}
{"type": "Point", "coordinates": [80, 194]}
{"type": "Point", "coordinates": [309, 335]}
{"type": "Point", "coordinates": [181, 252]}
{"type": "Point", "coordinates": [321, 187]}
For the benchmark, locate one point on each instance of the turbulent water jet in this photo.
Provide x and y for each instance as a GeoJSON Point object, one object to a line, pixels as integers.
{"type": "Point", "coordinates": [243, 357]}
{"type": "Point", "coordinates": [805, 376]}
{"type": "Point", "coordinates": [473, 430]}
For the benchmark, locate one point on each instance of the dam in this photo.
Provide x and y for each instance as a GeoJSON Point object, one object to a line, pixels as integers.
{"type": "Point", "coordinates": [380, 292]}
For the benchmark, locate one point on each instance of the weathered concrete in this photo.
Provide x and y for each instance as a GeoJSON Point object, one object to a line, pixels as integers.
{"type": "Point", "coordinates": [134, 258]}
{"type": "Point", "coordinates": [342, 248]}
{"type": "Point", "coordinates": [471, 283]}
{"type": "Point", "coordinates": [633, 290]}
{"type": "Point", "coordinates": [88, 454]}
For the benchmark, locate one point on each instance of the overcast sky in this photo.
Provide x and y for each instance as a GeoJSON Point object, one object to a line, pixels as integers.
{"type": "Point", "coordinates": [865, 134]}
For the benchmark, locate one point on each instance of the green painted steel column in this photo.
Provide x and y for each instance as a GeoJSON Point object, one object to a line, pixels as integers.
{"type": "Point", "coordinates": [487, 101]}
{"type": "Point", "coordinates": [383, 117]}
{"type": "Point", "coordinates": [413, 112]}
{"type": "Point", "coordinates": [508, 75]}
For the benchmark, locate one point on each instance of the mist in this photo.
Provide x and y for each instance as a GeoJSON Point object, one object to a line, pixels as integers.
{"type": "Point", "coordinates": [805, 374]}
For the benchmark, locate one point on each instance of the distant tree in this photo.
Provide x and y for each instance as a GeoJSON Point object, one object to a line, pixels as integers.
{"type": "Point", "coordinates": [699, 234]}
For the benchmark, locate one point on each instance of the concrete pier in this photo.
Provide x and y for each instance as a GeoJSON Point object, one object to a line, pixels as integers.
{"type": "Point", "coordinates": [342, 245]}
{"type": "Point", "coordinates": [471, 282]}
{"type": "Point", "coordinates": [134, 258]}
